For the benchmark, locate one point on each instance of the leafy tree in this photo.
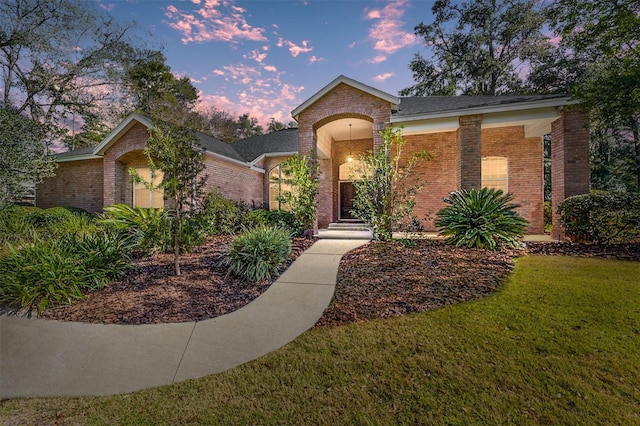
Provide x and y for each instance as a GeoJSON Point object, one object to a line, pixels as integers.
{"type": "Point", "coordinates": [274, 125]}
{"type": "Point", "coordinates": [300, 174]}
{"type": "Point", "coordinates": [604, 38]}
{"type": "Point", "coordinates": [477, 48]}
{"type": "Point", "coordinates": [24, 160]}
{"type": "Point", "coordinates": [153, 85]}
{"type": "Point", "coordinates": [248, 127]}
{"type": "Point", "coordinates": [61, 59]}
{"type": "Point", "coordinates": [177, 153]}
{"type": "Point", "coordinates": [385, 196]}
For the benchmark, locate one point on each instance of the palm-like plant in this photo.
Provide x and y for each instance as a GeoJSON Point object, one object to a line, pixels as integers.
{"type": "Point", "coordinates": [483, 218]}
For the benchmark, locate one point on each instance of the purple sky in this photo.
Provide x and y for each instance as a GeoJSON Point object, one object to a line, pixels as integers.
{"type": "Point", "coordinates": [267, 57]}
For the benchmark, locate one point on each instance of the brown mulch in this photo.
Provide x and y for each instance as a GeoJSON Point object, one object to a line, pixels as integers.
{"type": "Point", "coordinates": [378, 280]}
{"type": "Point", "coordinates": [151, 293]}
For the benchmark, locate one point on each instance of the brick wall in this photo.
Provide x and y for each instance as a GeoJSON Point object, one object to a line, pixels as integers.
{"type": "Point", "coordinates": [570, 172]}
{"type": "Point", "coordinates": [525, 170]}
{"type": "Point", "coordinates": [234, 181]}
{"type": "Point", "coordinates": [440, 176]}
{"type": "Point", "coordinates": [75, 184]}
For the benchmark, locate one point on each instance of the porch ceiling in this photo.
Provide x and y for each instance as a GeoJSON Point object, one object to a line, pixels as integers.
{"type": "Point", "coordinates": [338, 130]}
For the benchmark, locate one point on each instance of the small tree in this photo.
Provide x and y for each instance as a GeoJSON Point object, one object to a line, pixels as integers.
{"type": "Point", "coordinates": [177, 153]}
{"type": "Point", "coordinates": [298, 174]}
{"type": "Point", "coordinates": [384, 193]}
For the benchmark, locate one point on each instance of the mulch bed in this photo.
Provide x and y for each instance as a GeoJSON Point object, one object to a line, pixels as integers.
{"type": "Point", "coordinates": [151, 293]}
{"type": "Point", "coordinates": [379, 280]}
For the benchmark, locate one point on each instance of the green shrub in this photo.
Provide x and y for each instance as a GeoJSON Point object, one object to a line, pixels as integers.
{"type": "Point", "coordinates": [276, 218]}
{"type": "Point", "coordinates": [57, 271]}
{"type": "Point", "coordinates": [220, 216]}
{"type": "Point", "coordinates": [602, 217]}
{"type": "Point", "coordinates": [257, 254]}
{"type": "Point", "coordinates": [482, 218]}
{"type": "Point", "coordinates": [548, 216]}
{"type": "Point", "coordinates": [150, 228]}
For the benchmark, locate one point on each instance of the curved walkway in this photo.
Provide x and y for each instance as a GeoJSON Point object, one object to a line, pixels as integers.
{"type": "Point", "coordinates": [40, 358]}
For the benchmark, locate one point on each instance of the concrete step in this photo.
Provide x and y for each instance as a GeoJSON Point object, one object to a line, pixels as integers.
{"type": "Point", "coordinates": [340, 234]}
{"type": "Point", "coordinates": [348, 226]}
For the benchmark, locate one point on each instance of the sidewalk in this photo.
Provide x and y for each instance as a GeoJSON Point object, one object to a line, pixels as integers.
{"type": "Point", "coordinates": [40, 358]}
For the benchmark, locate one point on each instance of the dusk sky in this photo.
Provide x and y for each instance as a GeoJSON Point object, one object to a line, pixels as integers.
{"type": "Point", "coordinates": [267, 57]}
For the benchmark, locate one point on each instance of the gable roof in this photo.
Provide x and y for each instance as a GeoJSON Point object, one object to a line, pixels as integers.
{"type": "Point", "coordinates": [280, 142]}
{"type": "Point", "coordinates": [393, 100]}
{"type": "Point", "coordinates": [120, 130]}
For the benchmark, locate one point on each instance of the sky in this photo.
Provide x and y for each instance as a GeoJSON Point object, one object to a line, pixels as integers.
{"type": "Point", "coordinates": [266, 57]}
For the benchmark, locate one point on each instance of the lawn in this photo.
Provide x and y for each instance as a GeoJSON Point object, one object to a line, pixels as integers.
{"type": "Point", "coordinates": [558, 344]}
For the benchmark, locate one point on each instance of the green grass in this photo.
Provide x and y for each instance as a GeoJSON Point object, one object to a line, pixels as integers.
{"type": "Point", "coordinates": [559, 344]}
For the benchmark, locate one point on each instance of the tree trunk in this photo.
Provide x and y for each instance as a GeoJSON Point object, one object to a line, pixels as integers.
{"type": "Point", "coordinates": [176, 239]}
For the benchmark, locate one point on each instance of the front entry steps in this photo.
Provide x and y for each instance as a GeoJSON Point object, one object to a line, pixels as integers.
{"type": "Point", "coordinates": [346, 231]}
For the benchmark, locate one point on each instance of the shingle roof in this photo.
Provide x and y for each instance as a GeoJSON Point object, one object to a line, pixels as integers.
{"type": "Point", "coordinates": [280, 141]}
{"type": "Point", "coordinates": [219, 147]}
{"type": "Point", "coordinates": [75, 152]}
{"type": "Point", "coordinates": [438, 104]}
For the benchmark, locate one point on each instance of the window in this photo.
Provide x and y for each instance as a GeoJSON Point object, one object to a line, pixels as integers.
{"type": "Point", "coordinates": [495, 172]}
{"type": "Point", "coordinates": [276, 188]}
{"type": "Point", "coordinates": [142, 195]}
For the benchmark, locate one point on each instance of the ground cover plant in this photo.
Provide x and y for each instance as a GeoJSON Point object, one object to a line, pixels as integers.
{"type": "Point", "coordinates": [557, 344]}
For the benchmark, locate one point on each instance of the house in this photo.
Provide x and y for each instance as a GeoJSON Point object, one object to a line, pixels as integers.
{"type": "Point", "coordinates": [475, 141]}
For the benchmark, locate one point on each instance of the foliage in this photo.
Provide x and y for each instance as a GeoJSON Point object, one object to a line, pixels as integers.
{"type": "Point", "coordinates": [60, 270]}
{"type": "Point", "coordinates": [176, 151]}
{"type": "Point", "coordinates": [602, 217]}
{"type": "Point", "coordinates": [277, 218]}
{"type": "Point", "coordinates": [151, 229]}
{"type": "Point", "coordinates": [219, 215]}
{"type": "Point", "coordinates": [477, 48]}
{"type": "Point", "coordinates": [484, 219]}
{"type": "Point", "coordinates": [63, 60]}
{"type": "Point", "coordinates": [153, 84]}
{"type": "Point", "coordinates": [300, 174]}
{"type": "Point", "coordinates": [548, 215]}
{"type": "Point", "coordinates": [258, 253]}
{"type": "Point", "coordinates": [603, 41]}
{"type": "Point", "coordinates": [385, 196]}
{"type": "Point", "coordinates": [24, 160]}
{"type": "Point", "coordinates": [20, 225]}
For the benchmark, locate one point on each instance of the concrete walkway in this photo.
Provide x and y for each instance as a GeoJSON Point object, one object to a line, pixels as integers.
{"type": "Point", "coordinates": [40, 358]}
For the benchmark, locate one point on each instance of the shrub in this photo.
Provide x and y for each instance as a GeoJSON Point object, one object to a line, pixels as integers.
{"type": "Point", "coordinates": [602, 217]}
{"type": "Point", "coordinates": [56, 271]}
{"type": "Point", "coordinates": [548, 216]}
{"type": "Point", "coordinates": [276, 218]}
{"type": "Point", "coordinates": [482, 218]}
{"type": "Point", "coordinates": [257, 254]}
{"type": "Point", "coordinates": [219, 215]}
{"type": "Point", "coordinates": [150, 228]}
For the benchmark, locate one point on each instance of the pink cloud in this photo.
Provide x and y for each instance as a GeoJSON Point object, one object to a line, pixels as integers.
{"type": "Point", "coordinates": [388, 31]}
{"type": "Point", "coordinates": [214, 21]}
{"type": "Point", "coordinates": [270, 68]}
{"type": "Point", "coordinates": [313, 59]}
{"type": "Point", "coordinates": [377, 59]}
{"type": "Point", "coordinates": [382, 77]}
{"type": "Point", "coordinates": [294, 48]}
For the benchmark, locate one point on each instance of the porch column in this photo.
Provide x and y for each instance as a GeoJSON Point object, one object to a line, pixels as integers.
{"type": "Point", "coordinates": [470, 152]}
{"type": "Point", "coordinates": [307, 145]}
{"type": "Point", "coordinates": [377, 137]}
{"type": "Point", "coordinates": [570, 169]}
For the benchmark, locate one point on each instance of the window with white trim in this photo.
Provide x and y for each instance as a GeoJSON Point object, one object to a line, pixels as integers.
{"type": "Point", "coordinates": [495, 173]}
{"type": "Point", "coordinates": [276, 188]}
{"type": "Point", "coordinates": [146, 194]}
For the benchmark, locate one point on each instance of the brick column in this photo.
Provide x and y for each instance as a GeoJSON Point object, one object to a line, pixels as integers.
{"type": "Point", "coordinates": [377, 137]}
{"type": "Point", "coordinates": [470, 151]}
{"type": "Point", "coordinates": [570, 169]}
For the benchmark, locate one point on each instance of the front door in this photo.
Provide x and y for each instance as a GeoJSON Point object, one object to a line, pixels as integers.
{"type": "Point", "coordinates": [347, 193]}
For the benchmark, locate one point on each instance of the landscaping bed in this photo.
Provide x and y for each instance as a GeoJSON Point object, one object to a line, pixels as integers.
{"type": "Point", "coordinates": [151, 293]}
{"type": "Point", "coordinates": [374, 281]}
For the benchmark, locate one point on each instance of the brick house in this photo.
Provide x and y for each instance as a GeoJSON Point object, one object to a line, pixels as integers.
{"type": "Point", "coordinates": [477, 141]}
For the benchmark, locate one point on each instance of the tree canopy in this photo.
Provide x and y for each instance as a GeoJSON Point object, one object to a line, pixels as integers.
{"type": "Point", "coordinates": [477, 48]}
